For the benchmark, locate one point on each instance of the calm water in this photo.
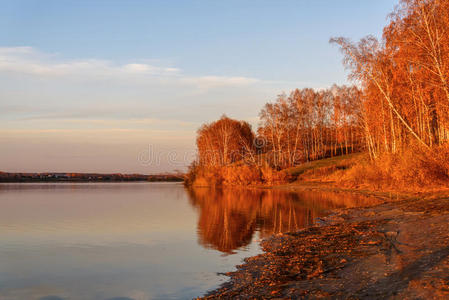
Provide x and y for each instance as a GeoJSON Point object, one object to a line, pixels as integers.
{"type": "Point", "coordinates": [138, 240]}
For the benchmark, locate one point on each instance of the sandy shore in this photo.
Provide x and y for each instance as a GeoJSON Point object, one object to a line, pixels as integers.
{"type": "Point", "coordinates": [398, 249]}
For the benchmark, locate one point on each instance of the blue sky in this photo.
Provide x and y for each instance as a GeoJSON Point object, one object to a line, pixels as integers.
{"type": "Point", "coordinates": [93, 85]}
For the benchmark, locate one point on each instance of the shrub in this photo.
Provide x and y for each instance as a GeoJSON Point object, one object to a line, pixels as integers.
{"type": "Point", "coordinates": [412, 169]}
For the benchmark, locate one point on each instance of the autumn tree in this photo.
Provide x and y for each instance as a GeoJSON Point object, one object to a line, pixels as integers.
{"type": "Point", "coordinates": [404, 78]}
{"type": "Point", "coordinates": [309, 125]}
{"type": "Point", "coordinates": [224, 141]}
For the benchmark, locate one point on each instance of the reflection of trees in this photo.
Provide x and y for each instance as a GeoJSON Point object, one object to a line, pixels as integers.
{"type": "Point", "coordinates": [229, 217]}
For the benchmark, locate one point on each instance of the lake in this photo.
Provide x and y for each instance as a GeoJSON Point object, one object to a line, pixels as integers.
{"type": "Point", "coordinates": [139, 240]}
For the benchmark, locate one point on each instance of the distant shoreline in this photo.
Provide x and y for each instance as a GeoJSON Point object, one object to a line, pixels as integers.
{"type": "Point", "coordinates": [8, 177]}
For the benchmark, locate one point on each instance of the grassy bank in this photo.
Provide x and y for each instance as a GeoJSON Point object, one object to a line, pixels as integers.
{"type": "Point", "coordinates": [333, 163]}
{"type": "Point", "coordinates": [412, 171]}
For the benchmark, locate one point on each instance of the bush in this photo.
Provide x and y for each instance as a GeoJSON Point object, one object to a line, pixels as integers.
{"type": "Point", "coordinates": [241, 175]}
{"type": "Point", "coordinates": [412, 169]}
{"type": "Point", "coordinates": [236, 174]}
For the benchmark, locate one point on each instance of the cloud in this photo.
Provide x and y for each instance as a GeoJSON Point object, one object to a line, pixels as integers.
{"type": "Point", "coordinates": [50, 105]}
{"type": "Point", "coordinates": [16, 50]}
{"type": "Point", "coordinates": [149, 69]}
{"type": "Point", "coordinates": [45, 91]}
{"type": "Point", "coordinates": [207, 82]}
{"type": "Point", "coordinates": [29, 61]}
{"type": "Point", "coordinates": [120, 123]}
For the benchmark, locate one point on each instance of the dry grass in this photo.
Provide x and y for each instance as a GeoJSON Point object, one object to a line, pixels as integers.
{"type": "Point", "coordinates": [338, 162]}
{"type": "Point", "coordinates": [413, 169]}
{"type": "Point", "coordinates": [236, 174]}
{"type": "Point", "coordinates": [324, 169]}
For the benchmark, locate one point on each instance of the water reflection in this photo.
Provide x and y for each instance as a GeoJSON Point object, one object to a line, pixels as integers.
{"type": "Point", "coordinates": [228, 218]}
{"type": "Point", "coordinates": [135, 241]}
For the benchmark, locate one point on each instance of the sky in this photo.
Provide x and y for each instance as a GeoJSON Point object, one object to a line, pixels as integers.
{"type": "Point", "coordinates": [122, 86]}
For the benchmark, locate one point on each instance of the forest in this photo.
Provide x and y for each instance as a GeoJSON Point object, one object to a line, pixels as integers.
{"type": "Point", "coordinates": [396, 114]}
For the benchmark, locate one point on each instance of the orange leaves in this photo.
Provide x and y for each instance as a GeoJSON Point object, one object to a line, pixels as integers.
{"type": "Point", "coordinates": [224, 141]}
{"type": "Point", "coordinates": [404, 77]}
{"type": "Point", "coordinates": [310, 125]}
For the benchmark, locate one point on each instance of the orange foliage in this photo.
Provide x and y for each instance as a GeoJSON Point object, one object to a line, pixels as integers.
{"type": "Point", "coordinates": [399, 113]}
{"type": "Point", "coordinates": [411, 170]}
{"type": "Point", "coordinates": [236, 174]}
{"type": "Point", "coordinates": [405, 102]}
{"type": "Point", "coordinates": [404, 78]}
{"type": "Point", "coordinates": [224, 141]}
{"type": "Point", "coordinates": [310, 125]}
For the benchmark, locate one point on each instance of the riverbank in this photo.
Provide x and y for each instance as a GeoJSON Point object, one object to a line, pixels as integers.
{"type": "Point", "coordinates": [397, 249]}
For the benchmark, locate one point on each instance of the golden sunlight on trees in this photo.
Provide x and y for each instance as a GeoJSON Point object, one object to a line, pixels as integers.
{"type": "Point", "coordinates": [224, 141]}
{"type": "Point", "coordinates": [307, 125]}
{"type": "Point", "coordinates": [310, 125]}
{"type": "Point", "coordinates": [404, 78]}
{"type": "Point", "coordinates": [227, 154]}
{"type": "Point", "coordinates": [398, 112]}
{"type": "Point", "coordinates": [405, 95]}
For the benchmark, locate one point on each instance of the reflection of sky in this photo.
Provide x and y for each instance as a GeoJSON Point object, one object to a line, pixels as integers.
{"type": "Point", "coordinates": [86, 86]}
{"type": "Point", "coordinates": [97, 241]}
{"type": "Point", "coordinates": [107, 219]}
{"type": "Point", "coordinates": [139, 240]}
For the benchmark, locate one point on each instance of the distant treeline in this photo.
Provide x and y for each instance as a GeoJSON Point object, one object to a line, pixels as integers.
{"type": "Point", "coordinates": [85, 177]}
